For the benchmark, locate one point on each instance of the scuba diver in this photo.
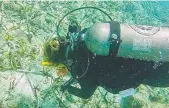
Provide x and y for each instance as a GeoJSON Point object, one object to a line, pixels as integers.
{"type": "Point", "coordinates": [110, 55]}
{"type": "Point", "coordinates": [112, 72]}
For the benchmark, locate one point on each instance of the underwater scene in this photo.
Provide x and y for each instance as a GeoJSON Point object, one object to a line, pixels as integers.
{"type": "Point", "coordinates": [84, 54]}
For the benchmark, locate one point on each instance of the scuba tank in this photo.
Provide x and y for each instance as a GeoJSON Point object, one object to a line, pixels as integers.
{"type": "Point", "coordinates": [128, 41]}
{"type": "Point", "coordinates": [122, 40]}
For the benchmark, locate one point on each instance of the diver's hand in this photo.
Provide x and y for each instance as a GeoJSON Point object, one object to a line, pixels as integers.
{"type": "Point", "coordinates": [61, 70]}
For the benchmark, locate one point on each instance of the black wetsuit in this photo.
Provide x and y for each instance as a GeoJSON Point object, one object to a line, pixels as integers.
{"type": "Point", "coordinates": [113, 74]}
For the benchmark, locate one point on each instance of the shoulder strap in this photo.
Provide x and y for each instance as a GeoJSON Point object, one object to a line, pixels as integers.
{"type": "Point", "coordinates": [114, 38]}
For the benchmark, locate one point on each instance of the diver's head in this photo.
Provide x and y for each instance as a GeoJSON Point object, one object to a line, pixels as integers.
{"type": "Point", "coordinates": [54, 55]}
{"type": "Point", "coordinates": [54, 51]}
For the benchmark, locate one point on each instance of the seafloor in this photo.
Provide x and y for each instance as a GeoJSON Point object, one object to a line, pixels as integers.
{"type": "Point", "coordinates": [24, 27]}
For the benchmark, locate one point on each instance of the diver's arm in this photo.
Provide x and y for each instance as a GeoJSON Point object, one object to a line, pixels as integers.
{"type": "Point", "coordinates": [84, 93]}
